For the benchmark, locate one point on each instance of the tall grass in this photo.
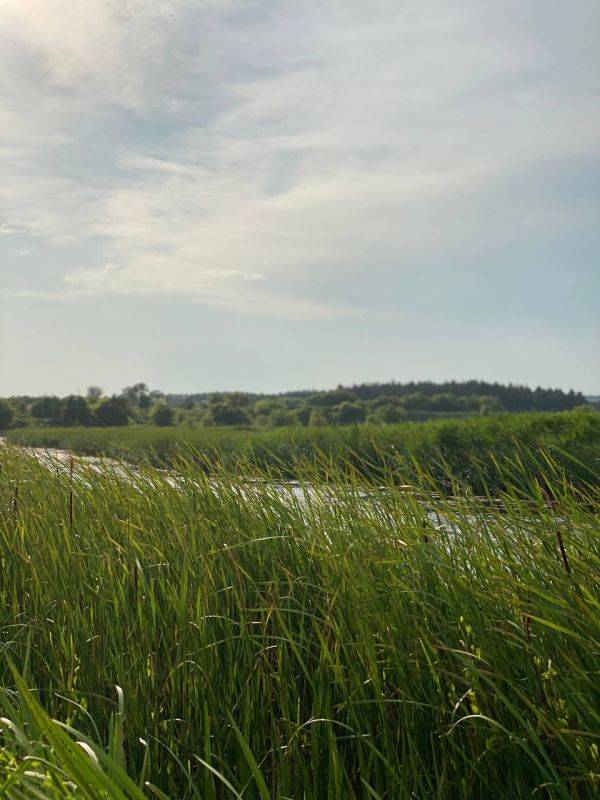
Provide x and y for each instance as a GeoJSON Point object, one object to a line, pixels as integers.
{"type": "Point", "coordinates": [317, 642]}
{"type": "Point", "coordinates": [469, 448]}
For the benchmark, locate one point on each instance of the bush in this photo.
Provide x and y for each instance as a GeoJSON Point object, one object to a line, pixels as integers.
{"type": "Point", "coordinates": [350, 413]}
{"type": "Point", "coordinates": [387, 413]}
{"type": "Point", "coordinates": [317, 418]}
{"type": "Point", "coordinates": [302, 414]}
{"type": "Point", "coordinates": [224, 412]}
{"type": "Point", "coordinates": [281, 418]}
{"type": "Point", "coordinates": [330, 399]}
{"type": "Point", "coordinates": [6, 415]}
{"type": "Point", "coordinates": [47, 408]}
{"type": "Point", "coordinates": [112, 411]}
{"type": "Point", "coordinates": [162, 414]}
{"type": "Point", "coordinates": [76, 411]}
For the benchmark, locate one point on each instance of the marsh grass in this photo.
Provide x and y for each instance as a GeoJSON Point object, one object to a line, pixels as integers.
{"type": "Point", "coordinates": [466, 449]}
{"type": "Point", "coordinates": [339, 639]}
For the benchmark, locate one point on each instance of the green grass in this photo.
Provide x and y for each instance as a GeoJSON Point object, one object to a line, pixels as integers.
{"type": "Point", "coordinates": [43, 758]}
{"type": "Point", "coordinates": [469, 448]}
{"type": "Point", "coordinates": [400, 644]}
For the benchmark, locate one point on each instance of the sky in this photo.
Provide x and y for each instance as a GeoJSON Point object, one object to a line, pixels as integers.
{"type": "Point", "coordinates": [275, 194]}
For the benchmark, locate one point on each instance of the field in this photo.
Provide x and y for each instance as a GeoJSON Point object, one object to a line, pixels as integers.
{"type": "Point", "coordinates": [468, 449]}
{"type": "Point", "coordinates": [216, 637]}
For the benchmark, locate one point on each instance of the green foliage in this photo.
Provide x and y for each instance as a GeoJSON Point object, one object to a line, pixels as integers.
{"type": "Point", "coordinates": [317, 418]}
{"type": "Point", "coordinates": [236, 399]}
{"type": "Point", "coordinates": [471, 448]}
{"type": "Point", "coordinates": [112, 411]}
{"type": "Point", "coordinates": [6, 414]}
{"type": "Point", "coordinates": [281, 417]}
{"type": "Point", "coordinates": [136, 395]}
{"type": "Point", "coordinates": [264, 407]}
{"type": "Point", "coordinates": [510, 397]}
{"type": "Point", "coordinates": [380, 404]}
{"type": "Point", "coordinates": [489, 405]}
{"type": "Point", "coordinates": [226, 412]}
{"type": "Point", "coordinates": [387, 413]}
{"type": "Point", "coordinates": [47, 408]}
{"type": "Point", "coordinates": [162, 414]}
{"type": "Point", "coordinates": [342, 640]}
{"type": "Point", "coordinates": [349, 413]}
{"type": "Point", "coordinates": [94, 393]}
{"type": "Point", "coordinates": [75, 411]}
{"type": "Point", "coordinates": [330, 399]}
{"type": "Point", "coordinates": [302, 414]}
{"type": "Point", "coordinates": [43, 758]}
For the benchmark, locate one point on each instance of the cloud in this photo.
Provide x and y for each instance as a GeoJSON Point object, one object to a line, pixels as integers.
{"type": "Point", "coordinates": [221, 150]}
{"type": "Point", "coordinates": [213, 288]}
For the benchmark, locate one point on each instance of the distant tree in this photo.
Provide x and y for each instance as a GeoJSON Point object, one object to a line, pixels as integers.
{"type": "Point", "coordinates": [387, 414]}
{"type": "Point", "coordinates": [350, 413]}
{"type": "Point", "coordinates": [6, 415]}
{"type": "Point", "coordinates": [223, 412]}
{"type": "Point", "coordinates": [20, 403]}
{"type": "Point", "coordinates": [330, 399]}
{"type": "Point", "coordinates": [47, 408]}
{"type": "Point", "coordinates": [473, 403]}
{"type": "Point", "coordinates": [94, 393]}
{"type": "Point", "coordinates": [162, 414]}
{"type": "Point", "coordinates": [317, 418]}
{"type": "Point", "coordinates": [386, 400]}
{"type": "Point", "coordinates": [133, 394]}
{"type": "Point", "coordinates": [445, 402]}
{"type": "Point", "coordinates": [76, 411]}
{"type": "Point", "coordinates": [145, 401]}
{"type": "Point", "coordinates": [112, 411]}
{"type": "Point", "coordinates": [281, 417]}
{"type": "Point", "coordinates": [490, 405]}
{"type": "Point", "coordinates": [513, 398]}
{"type": "Point", "coordinates": [266, 406]}
{"type": "Point", "coordinates": [237, 399]}
{"type": "Point", "coordinates": [303, 413]}
{"type": "Point", "coordinates": [415, 401]}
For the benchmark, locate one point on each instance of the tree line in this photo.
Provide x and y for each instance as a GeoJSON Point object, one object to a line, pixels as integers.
{"type": "Point", "coordinates": [378, 403]}
{"type": "Point", "coordinates": [513, 397]}
{"type": "Point", "coordinates": [134, 404]}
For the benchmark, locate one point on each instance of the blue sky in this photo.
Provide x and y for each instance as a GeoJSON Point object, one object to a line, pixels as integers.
{"type": "Point", "coordinates": [260, 195]}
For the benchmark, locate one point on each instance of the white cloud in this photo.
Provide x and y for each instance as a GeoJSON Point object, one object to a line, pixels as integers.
{"type": "Point", "coordinates": [100, 50]}
{"type": "Point", "coordinates": [216, 148]}
{"type": "Point", "coordinates": [213, 287]}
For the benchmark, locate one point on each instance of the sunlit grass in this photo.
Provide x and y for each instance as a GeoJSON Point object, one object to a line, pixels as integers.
{"type": "Point", "coordinates": [343, 640]}
{"type": "Point", "coordinates": [440, 447]}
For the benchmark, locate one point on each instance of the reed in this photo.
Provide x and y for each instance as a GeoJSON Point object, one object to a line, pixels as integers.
{"type": "Point", "coordinates": [224, 635]}
{"type": "Point", "coordinates": [468, 449]}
